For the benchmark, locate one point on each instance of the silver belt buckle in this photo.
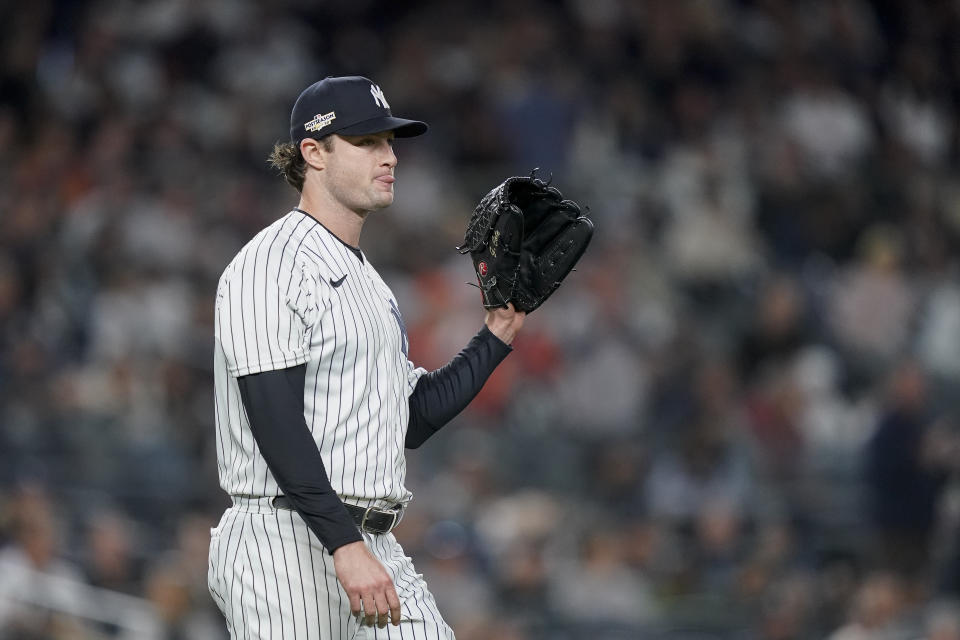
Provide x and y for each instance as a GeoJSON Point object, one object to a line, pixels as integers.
{"type": "Point", "coordinates": [363, 520]}
{"type": "Point", "coordinates": [396, 513]}
{"type": "Point", "coordinates": [396, 519]}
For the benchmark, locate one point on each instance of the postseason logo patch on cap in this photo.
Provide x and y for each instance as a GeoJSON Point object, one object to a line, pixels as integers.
{"type": "Point", "coordinates": [320, 121]}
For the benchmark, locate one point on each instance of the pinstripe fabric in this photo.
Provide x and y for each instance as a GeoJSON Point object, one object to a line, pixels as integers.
{"type": "Point", "coordinates": [292, 591]}
{"type": "Point", "coordinates": [295, 294]}
{"type": "Point", "coordinates": [276, 308]}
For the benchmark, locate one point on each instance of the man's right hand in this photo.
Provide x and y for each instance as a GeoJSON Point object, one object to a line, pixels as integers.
{"type": "Point", "coordinates": [367, 584]}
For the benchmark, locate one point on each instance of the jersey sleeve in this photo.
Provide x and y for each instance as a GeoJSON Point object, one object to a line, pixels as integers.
{"type": "Point", "coordinates": [414, 373]}
{"type": "Point", "coordinates": [267, 307]}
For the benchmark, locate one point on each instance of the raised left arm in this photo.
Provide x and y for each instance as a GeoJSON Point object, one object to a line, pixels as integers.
{"type": "Point", "coordinates": [442, 394]}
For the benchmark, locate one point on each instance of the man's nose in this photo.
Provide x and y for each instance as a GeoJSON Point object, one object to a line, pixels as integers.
{"type": "Point", "coordinates": [390, 159]}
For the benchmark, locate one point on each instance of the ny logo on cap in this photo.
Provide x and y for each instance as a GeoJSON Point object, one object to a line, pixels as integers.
{"type": "Point", "coordinates": [377, 94]}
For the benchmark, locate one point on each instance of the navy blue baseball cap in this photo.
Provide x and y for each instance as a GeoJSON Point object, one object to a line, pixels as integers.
{"type": "Point", "coordinates": [348, 105]}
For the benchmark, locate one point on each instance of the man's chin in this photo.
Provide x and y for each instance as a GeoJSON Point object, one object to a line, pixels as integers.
{"type": "Point", "coordinates": [383, 200]}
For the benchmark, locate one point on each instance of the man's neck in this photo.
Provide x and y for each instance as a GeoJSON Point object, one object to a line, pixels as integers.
{"type": "Point", "coordinates": [340, 221]}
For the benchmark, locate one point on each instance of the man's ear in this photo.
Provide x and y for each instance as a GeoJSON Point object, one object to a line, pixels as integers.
{"type": "Point", "coordinates": [313, 153]}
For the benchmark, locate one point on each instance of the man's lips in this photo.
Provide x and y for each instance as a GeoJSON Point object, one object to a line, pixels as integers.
{"type": "Point", "coordinates": [386, 179]}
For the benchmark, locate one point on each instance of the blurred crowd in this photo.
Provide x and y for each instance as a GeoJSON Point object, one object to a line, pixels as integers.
{"type": "Point", "coordinates": [735, 420]}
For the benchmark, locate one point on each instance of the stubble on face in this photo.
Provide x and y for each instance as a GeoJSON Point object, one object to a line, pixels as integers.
{"type": "Point", "coordinates": [356, 170]}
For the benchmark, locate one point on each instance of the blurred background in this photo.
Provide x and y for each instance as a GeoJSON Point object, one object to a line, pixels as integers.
{"type": "Point", "coordinates": [737, 420]}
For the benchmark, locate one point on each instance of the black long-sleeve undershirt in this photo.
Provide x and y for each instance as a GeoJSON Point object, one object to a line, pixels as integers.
{"type": "Point", "coordinates": [442, 394]}
{"type": "Point", "coordinates": [274, 404]}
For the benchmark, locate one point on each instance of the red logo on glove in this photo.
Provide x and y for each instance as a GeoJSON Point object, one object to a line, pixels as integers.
{"type": "Point", "coordinates": [482, 268]}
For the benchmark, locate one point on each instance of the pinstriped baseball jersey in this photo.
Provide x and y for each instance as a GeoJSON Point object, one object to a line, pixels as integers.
{"type": "Point", "coordinates": [296, 294]}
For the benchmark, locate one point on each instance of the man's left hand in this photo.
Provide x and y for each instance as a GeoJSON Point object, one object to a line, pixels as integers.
{"type": "Point", "coordinates": [505, 322]}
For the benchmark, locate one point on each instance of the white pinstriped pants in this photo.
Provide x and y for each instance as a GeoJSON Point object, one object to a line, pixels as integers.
{"type": "Point", "coordinates": [273, 579]}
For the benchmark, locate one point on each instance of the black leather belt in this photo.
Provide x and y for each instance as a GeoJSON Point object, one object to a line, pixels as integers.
{"type": "Point", "coordinates": [367, 519]}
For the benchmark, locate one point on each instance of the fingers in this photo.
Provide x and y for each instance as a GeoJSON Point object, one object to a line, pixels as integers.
{"type": "Point", "coordinates": [369, 609]}
{"type": "Point", "coordinates": [380, 608]}
{"type": "Point", "coordinates": [355, 604]}
{"type": "Point", "coordinates": [383, 610]}
{"type": "Point", "coordinates": [394, 603]}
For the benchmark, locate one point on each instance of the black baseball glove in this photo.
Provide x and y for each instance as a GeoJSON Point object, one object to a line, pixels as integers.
{"type": "Point", "coordinates": [524, 239]}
